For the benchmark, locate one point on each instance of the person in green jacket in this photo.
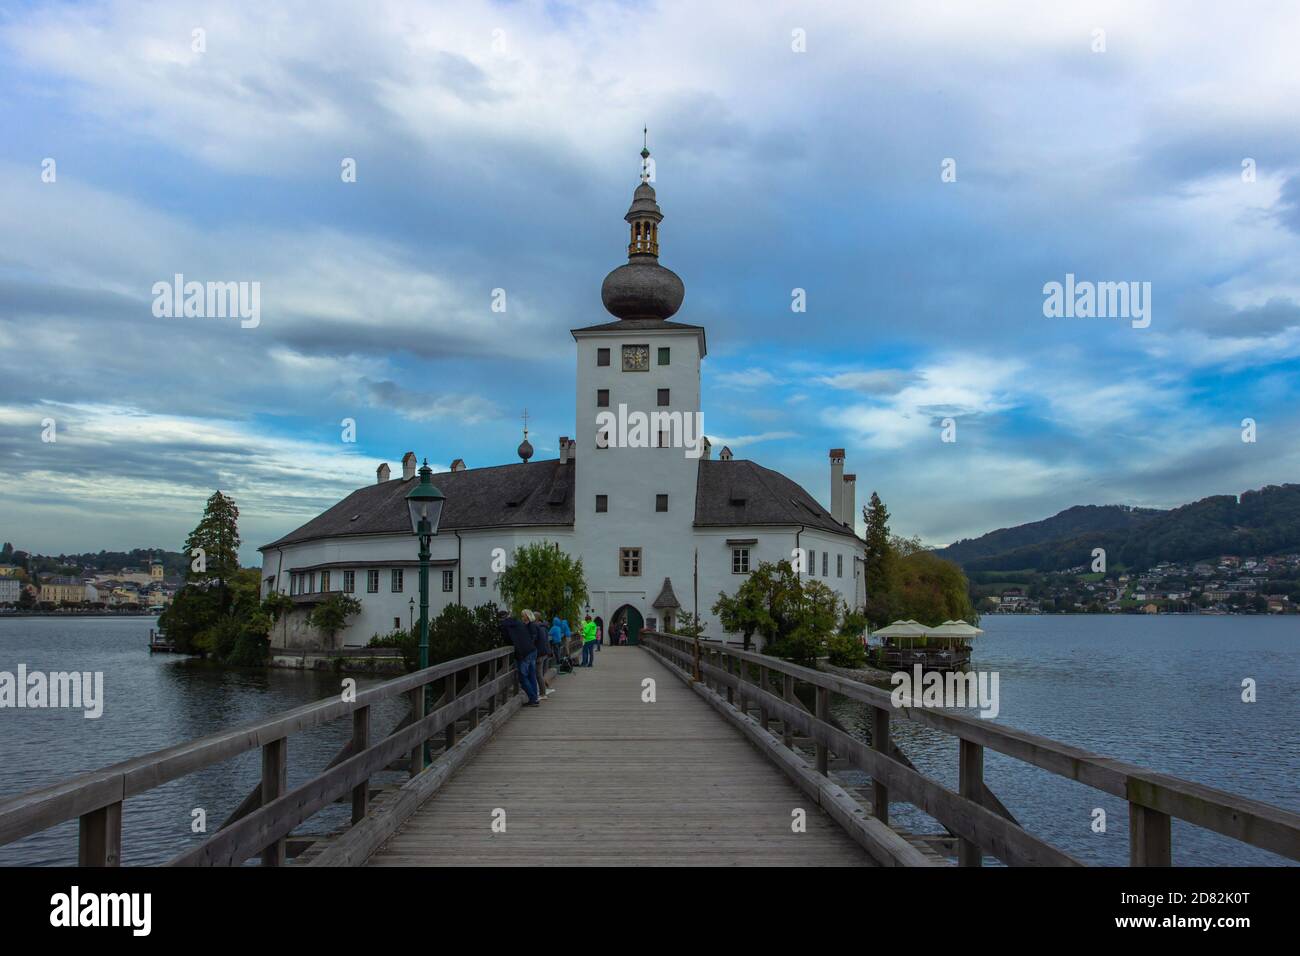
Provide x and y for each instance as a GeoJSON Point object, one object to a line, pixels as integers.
{"type": "Point", "coordinates": [588, 642]}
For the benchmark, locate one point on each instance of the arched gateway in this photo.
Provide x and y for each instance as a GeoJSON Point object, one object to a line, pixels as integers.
{"type": "Point", "coordinates": [630, 616]}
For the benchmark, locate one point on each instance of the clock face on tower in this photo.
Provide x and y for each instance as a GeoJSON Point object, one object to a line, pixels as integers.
{"type": "Point", "coordinates": [636, 358]}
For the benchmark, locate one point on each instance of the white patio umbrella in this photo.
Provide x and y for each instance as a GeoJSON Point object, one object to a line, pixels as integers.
{"type": "Point", "coordinates": [903, 629]}
{"type": "Point", "coordinates": [956, 629]}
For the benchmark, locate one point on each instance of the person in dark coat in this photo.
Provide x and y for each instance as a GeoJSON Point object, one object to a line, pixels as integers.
{"type": "Point", "coordinates": [517, 635]}
{"type": "Point", "coordinates": [542, 644]}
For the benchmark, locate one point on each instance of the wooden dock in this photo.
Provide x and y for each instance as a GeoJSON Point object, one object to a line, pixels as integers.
{"type": "Point", "coordinates": [596, 776]}
{"type": "Point", "coordinates": [159, 644]}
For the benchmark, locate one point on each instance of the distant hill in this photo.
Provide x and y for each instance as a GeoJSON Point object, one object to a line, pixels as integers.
{"type": "Point", "coordinates": [1261, 522]}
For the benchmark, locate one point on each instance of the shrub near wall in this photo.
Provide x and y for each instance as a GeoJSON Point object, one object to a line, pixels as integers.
{"type": "Point", "coordinates": [456, 632]}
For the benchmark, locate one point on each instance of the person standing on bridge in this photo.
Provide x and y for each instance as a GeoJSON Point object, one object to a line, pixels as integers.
{"type": "Point", "coordinates": [543, 647]}
{"type": "Point", "coordinates": [516, 634]}
{"type": "Point", "coordinates": [588, 642]}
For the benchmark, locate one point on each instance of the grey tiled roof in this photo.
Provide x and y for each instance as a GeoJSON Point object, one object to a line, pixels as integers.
{"type": "Point", "coordinates": [638, 325]}
{"type": "Point", "coordinates": [666, 596]}
{"type": "Point", "coordinates": [737, 493]}
{"type": "Point", "coordinates": [536, 493]}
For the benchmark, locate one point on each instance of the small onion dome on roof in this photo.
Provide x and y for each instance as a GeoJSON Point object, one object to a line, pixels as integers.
{"type": "Point", "coordinates": [525, 450]}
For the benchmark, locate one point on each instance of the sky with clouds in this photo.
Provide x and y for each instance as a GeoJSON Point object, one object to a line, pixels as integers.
{"type": "Point", "coordinates": [496, 147]}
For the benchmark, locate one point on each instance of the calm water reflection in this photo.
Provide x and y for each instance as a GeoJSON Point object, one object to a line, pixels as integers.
{"type": "Point", "coordinates": [151, 702]}
{"type": "Point", "coordinates": [1163, 692]}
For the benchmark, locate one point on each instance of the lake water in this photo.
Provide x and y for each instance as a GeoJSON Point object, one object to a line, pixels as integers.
{"type": "Point", "coordinates": [1163, 692]}
{"type": "Point", "coordinates": [151, 702]}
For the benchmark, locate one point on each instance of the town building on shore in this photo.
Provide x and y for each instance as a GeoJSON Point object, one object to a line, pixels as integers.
{"type": "Point", "coordinates": [66, 590]}
{"type": "Point", "coordinates": [636, 493]}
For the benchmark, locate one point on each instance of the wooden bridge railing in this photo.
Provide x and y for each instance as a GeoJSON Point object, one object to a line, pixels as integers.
{"type": "Point", "coordinates": [743, 680]}
{"type": "Point", "coordinates": [272, 811]}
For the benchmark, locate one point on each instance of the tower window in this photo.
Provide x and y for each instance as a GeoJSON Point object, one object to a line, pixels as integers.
{"type": "Point", "coordinates": [629, 562]}
{"type": "Point", "coordinates": [372, 582]}
{"type": "Point", "coordinates": [602, 504]}
{"type": "Point", "coordinates": [839, 565]}
{"type": "Point", "coordinates": [602, 398]}
{"type": "Point", "coordinates": [396, 586]}
{"type": "Point", "coordinates": [826, 557]}
{"type": "Point", "coordinates": [448, 580]}
{"type": "Point", "coordinates": [661, 502]}
{"type": "Point", "coordinates": [663, 396]}
{"type": "Point", "coordinates": [663, 355]}
{"type": "Point", "coordinates": [740, 560]}
{"type": "Point", "coordinates": [602, 356]}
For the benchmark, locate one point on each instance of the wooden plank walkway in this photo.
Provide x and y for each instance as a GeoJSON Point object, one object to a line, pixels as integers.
{"type": "Point", "coordinates": [595, 776]}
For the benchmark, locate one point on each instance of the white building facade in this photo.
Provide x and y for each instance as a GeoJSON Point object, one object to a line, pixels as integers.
{"type": "Point", "coordinates": [636, 493]}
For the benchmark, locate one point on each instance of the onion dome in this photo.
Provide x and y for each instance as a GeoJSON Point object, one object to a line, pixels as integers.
{"type": "Point", "coordinates": [643, 289]}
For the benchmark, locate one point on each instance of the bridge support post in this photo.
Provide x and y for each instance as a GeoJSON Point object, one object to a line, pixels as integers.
{"type": "Point", "coordinates": [731, 692]}
{"type": "Point", "coordinates": [880, 744]}
{"type": "Point", "coordinates": [360, 741]}
{"type": "Point", "coordinates": [787, 693]}
{"type": "Point", "coordinates": [823, 716]}
{"type": "Point", "coordinates": [493, 671]}
{"type": "Point", "coordinates": [763, 683]}
{"type": "Point", "coordinates": [970, 774]}
{"type": "Point", "coordinates": [1149, 843]}
{"type": "Point", "coordinates": [417, 715]}
{"type": "Point", "coordinates": [472, 686]}
{"type": "Point", "coordinates": [275, 781]}
{"type": "Point", "coordinates": [100, 837]}
{"type": "Point", "coordinates": [449, 735]}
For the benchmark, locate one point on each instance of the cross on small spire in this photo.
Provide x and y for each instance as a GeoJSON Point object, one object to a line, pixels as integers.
{"type": "Point", "coordinates": [525, 423]}
{"type": "Point", "coordinates": [645, 154]}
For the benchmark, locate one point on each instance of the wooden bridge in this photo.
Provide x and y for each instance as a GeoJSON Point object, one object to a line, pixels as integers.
{"type": "Point", "coordinates": [674, 752]}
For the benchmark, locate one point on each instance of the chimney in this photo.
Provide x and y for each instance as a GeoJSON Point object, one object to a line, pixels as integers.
{"type": "Point", "coordinates": [408, 466]}
{"type": "Point", "coordinates": [725, 454]}
{"type": "Point", "coordinates": [851, 501]}
{"type": "Point", "coordinates": [564, 449]}
{"type": "Point", "coordinates": [458, 464]}
{"type": "Point", "coordinates": [708, 449]}
{"type": "Point", "coordinates": [572, 453]}
{"type": "Point", "coordinates": [382, 473]}
{"type": "Point", "coordinates": [837, 484]}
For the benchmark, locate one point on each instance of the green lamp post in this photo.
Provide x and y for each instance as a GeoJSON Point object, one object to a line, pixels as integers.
{"type": "Point", "coordinates": [425, 504]}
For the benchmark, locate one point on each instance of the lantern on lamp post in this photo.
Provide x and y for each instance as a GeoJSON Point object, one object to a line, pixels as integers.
{"type": "Point", "coordinates": [425, 502]}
